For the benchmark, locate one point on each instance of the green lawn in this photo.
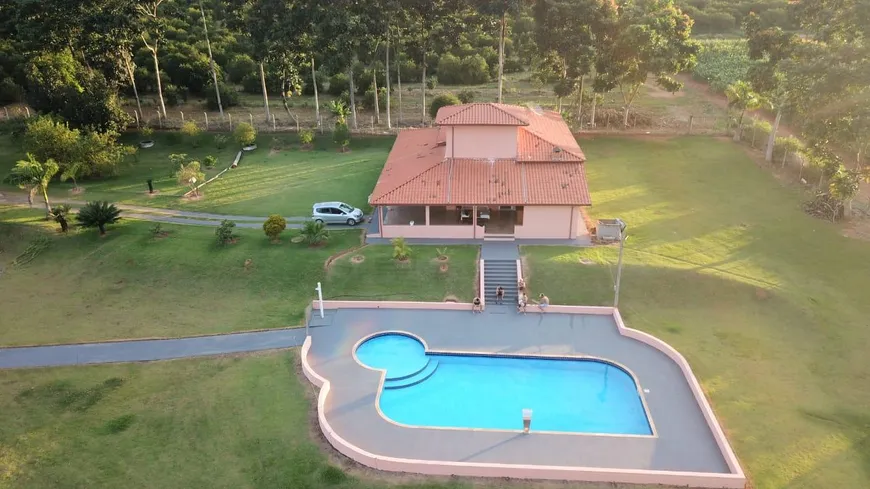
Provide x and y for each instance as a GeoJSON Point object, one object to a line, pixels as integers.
{"type": "Point", "coordinates": [131, 285]}
{"type": "Point", "coordinates": [768, 305]}
{"type": "Point", "coordinates": [275, 178]}
{"type": "Point", "coordinates": [234, 422]}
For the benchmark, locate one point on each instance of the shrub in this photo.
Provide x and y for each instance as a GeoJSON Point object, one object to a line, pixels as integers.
{"type": "Point", "coordinates": [306, 137]}
{"type": "Point", "coordinates": [156, 230]}
{"type": "Point", "coordinates": [229, 96]}
{"type": "Point", "coordinates": [432, 82]}
{"type": "Point", "coordinates": [401, 250]}
{"type": "Point", "coordinates": [146, 132]}
{"type": "Point", "coordinates": [341, 135]}
{"type": "Point", "coordinates": [224, 233]}
{"type": "Point", "coordinates": [338, 83]}
{"type": "Point", "coordinates": [314, 233]}
{"type": "Point", "coordinates": [368, 100]}
{"type": "Point", "coordinates": [210, 161]}
{"type": "Point", "coordinates": [190, 174]}
{"type": "Point", "coordinates": [98, 215]}
{"type": "Point", "coordinates": [442, 100]}
{"type": "Point", "coordinates": [466, 96]}
{"type": "Point", "coordinates": [240, 66]}
{"type": "Point", "coordinates": [245, 134]}
{"type": "Point", "coordinates": [59, 213]}
{"type": "Point", "coordinates": [273, 226]}
{"type": "Point", "coordinates": [173, 96]}
{"type": "Point", "coordinates": [190, 130]}
{"type": "Point", "coordinates": [220, 141]}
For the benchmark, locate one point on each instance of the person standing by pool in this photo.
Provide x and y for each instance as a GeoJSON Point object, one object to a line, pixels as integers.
{"type": "Point", "coordinates": [543, 302]}
{"type": "Point", "coordinates": [499, 294]}
{"type": "Point", "coordinates": [476, 306]}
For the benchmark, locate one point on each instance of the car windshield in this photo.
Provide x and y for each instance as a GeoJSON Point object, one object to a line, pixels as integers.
{"type": "Point", "coordinates": [345, 208]}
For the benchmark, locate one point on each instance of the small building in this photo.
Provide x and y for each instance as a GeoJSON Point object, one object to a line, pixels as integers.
{"type": "Point", "coordinates": [487, 170]}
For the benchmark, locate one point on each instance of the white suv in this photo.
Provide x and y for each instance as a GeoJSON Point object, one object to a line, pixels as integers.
{"type": "Point", "coordinates": [336, 213]}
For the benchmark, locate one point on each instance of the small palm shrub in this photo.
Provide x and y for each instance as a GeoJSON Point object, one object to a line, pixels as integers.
{"type": "Point", "coordinates": [314, 233]}
{"type": "Point", "coordinates": [59, 214]}
{"type": "Point", "coordinates": [401, 250]}
{"type": "Point", "coordinates": [274, 226]}
{"type": "Point", "coordinates": [98, 215]}
{"type": "Point", "coordinates": [210, 161]}
{"type": "Point", "coordinates": [224, 233]}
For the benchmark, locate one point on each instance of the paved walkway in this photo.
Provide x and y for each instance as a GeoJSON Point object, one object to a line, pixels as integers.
{"type": "Point", "coordinates": [172, 216]}
{"type": "Point", "coordinates": [148, 350]}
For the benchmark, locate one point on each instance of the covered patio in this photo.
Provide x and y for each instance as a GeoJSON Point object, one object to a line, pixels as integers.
{"type": "Point", "coordinates": [452, 221]}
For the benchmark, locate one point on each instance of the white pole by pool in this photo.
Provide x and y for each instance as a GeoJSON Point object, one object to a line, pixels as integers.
{"type": "Point", "coordinates": [319, 290]}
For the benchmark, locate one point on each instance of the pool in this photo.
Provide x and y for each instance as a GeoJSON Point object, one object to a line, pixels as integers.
{"type": "Point", "coordinates": [490, 392]}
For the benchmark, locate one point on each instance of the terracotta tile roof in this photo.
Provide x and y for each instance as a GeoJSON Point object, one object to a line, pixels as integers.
{"type": "Point", "coordinates": [418, 173]}
{"type": "Point", "coordinates": [485, 114]}
{"type": "Point", "coordinates": [465, 181]}
{"type": "Point", "coordinates": [404, 176]}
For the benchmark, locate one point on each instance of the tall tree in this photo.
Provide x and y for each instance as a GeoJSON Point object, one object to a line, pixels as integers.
{"type": "Point", "coordinates": [217, 90]}
{"type": "Point", "coordinates": [652, 37]}
{"type": "Point", "coordinates": [771, 47]}
{"type": "Point", "coordinates": [153, 27]}
{"type": "Point", "coordinates": [431, 23]}
{"type": "Point", "coordinates": [500, 10]}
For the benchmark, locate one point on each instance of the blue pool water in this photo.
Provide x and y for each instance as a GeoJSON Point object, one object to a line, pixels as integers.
{"type": "Point", "coordinates": [464, 391]}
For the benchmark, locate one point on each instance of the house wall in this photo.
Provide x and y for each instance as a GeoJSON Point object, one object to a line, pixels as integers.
{"type": "Point", "coordinates": [482, 142]}
{"type": "Point", "coordinates": [550, 222]}
{"type": "Point", "coordinates": [444, 232]}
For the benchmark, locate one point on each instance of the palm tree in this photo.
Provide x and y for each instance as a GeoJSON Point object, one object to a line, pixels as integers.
{"type": "Point", "coordinates": [742, 97]}
{"type": "Point", "coordinates": [314, 233]}
{"type": "Point", "coordinates": [33, 176]}
{"type": "Point", "coordinates": [59, 214]}
{"type": "Point", "coordinates": [401, 250]}
{"type": "Point", "coordinates": [339, 110]}
{"type": "Point", "coordinates": [98, 214]}
{"type": "Point", "coordinates": [71, 172]}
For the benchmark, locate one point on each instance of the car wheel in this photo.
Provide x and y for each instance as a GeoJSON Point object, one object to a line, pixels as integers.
{"type": "Point", "coordinates": [351, 222]}
{"type": "Point", "coordinates": [319, 221]}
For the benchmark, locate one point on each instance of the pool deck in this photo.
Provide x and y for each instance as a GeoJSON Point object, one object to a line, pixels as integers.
{"type": "Point", "coordinates": [684, 443]}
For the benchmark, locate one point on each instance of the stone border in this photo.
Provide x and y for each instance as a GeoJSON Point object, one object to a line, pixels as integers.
{"type": "Point", "coordinates": [735, 480]}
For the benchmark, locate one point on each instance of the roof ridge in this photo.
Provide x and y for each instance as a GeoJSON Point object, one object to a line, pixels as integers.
{"type": "Point", "coordinates": [522, 121]}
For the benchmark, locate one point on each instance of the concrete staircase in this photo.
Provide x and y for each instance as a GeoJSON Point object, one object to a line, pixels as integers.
{"type": "Point", "coordinates": [500, 272]}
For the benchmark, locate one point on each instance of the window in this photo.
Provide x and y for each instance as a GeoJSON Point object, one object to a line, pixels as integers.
{"type": "Point", "coordinates": [335, 211]}
{"type": "Point", "coordinates": [321, 210]}
{"type": "Point", "coordinates": [346, 208]}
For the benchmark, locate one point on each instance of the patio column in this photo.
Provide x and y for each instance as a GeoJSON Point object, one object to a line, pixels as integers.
{"type": "Point", "coordinates": [381, 218]}
{"type": "Point", "coordinates": [427, 215]}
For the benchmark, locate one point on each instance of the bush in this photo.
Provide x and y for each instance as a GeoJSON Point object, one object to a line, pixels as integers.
{"type": "Point", "coordinates": [306, 137]}
{"type": "Point", "coordinates": [190, 130]}
{"type": "Point", "coordinates": [240, 66]}
{"type": "Point", "coordinates": [173, 96]}
{"type": "Point", "coordinates": [314, 233]}
{"type": "Point", "coordinates": [274, 226]}
{"type": "Point", "coordinates": [432, 82]}
{"type": "Point", "coordinates": [467, 96]}
{"type": "Point", "coordinates": [401, 250]}
{"type": "Point", "coordinates": [224, 233]}
{"type": "Point", "coordinates": [220, 141]}
{"type": "Point", "coordinates": [442, 100]}
{"type": "Point", "coordinates": [338, 83]}
{"type": "Point", "coordinates": [341, 135]}
{"type": "Point", "coordinates": [229, 96]}
{"type": "Point", "coordinates": [245, 134]}
{"type": "Point", "coordinates": [308, 86]}
{"type": "Point", "coordinates": [210, 161]}
{"type": "Point", "coordinates": [368, 101]}
{"type": "Point", "coordinates": [98, 215]}
{"type": "Point", "coordinates": [146, 132]}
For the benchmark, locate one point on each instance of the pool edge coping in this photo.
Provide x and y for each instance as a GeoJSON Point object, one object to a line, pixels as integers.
{"type": "Point", "coordinates": [427, 351]}
{"type": "Point", "coordinates": [736, 479]}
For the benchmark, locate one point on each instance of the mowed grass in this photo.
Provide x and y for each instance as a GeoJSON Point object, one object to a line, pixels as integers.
{"type": "Point", "coordinates": [768, 305]}
{"type": "Point", "coordinates": [238, 422]}
{"type": "Point", "coordinates": [132, 285]}
{"type": "Point", "coordinates": [276, 178]}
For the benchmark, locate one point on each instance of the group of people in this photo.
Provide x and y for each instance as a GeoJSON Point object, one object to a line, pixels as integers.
{"type": "Point", "coordinates": [522, 299]}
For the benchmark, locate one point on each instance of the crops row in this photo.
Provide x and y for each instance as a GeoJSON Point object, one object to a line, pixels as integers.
{"type": "Point", "coordinates": [721, 62]}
